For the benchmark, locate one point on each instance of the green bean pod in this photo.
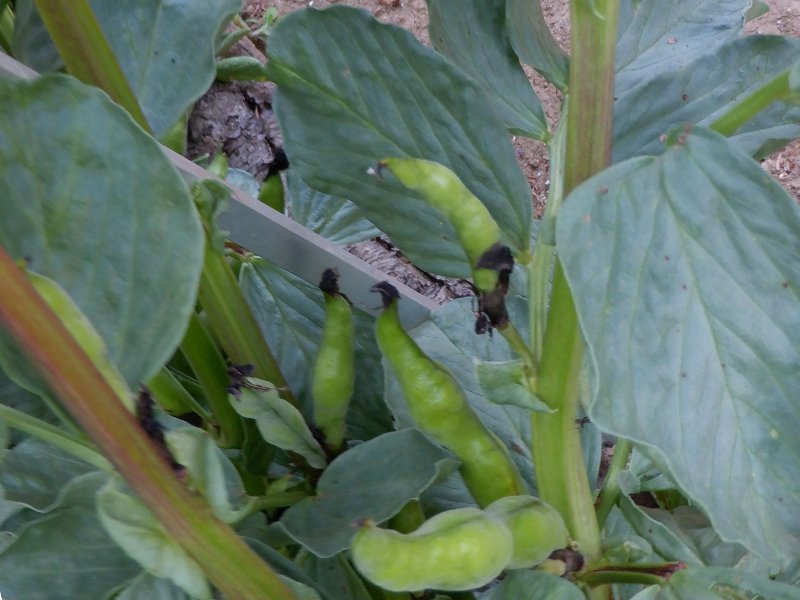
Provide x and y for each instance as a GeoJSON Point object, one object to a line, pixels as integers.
{"type": "Point", "coordinates": [438, 406]}
{"type": "Point", "coordinates": [334, 370]}
{"type": "Point", "coordinates": [477, 230]}
{"type": "Point", "coordinates": [536, 527]}
{"type": "Point", "coordinates": [456, 550]}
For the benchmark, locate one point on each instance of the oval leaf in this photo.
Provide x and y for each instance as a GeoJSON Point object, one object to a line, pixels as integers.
{"type": "Point", "coordinates": [280, 423]}
{"type": "Point", "coordinates": [706, 90]}
{"type": "Point", "coordinates": [77, 205]}
{"type": "Point", "coordinates": [658, 36]}
{"type": "Point", "coordinates": [685, 276]}
{"type": "Point", "coordinates": [533, 42]}
{"type": "Point", "coordinates": [352, 91]}
{"type": "Point", "coordinates": [472, 34]}
{"type": "Point", "coordinates": [66, 555]}
{"type": "Point", "coordinates": [355, 486]}
{"type": "Point", "coordinates": [131, 525]}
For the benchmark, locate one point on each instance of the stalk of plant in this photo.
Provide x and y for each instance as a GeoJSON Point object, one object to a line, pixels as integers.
{"type": "Point", "coordinates": [560, 471]}
{"type": "Point", "coordinates": [82, 45]}
{"type": "Point", "coordinates": [224, 557]}
{"type": "Point", "coordinates": [233, 322]}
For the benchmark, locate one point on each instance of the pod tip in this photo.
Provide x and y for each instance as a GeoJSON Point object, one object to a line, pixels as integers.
{"type": "Point", "coordinates": [388, 292]}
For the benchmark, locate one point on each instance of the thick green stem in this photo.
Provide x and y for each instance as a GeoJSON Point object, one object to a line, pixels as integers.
{"type": "Point", "coordinates": [610, 492]}
{"type": "Point", "coordinates": [558, 460]}
{"type": "Point", "coordinates": [234, 324]}
{"type": "Point", "coordinates": [86, 53]}
{"type": "Point", "coordinates": [541, 265]}
{"type": "Point", "coordinates": [209, 367]}
{"type": "Point", "coordinates": [225, 558]}
{"type": "Point", "coordinates": [775, 89]}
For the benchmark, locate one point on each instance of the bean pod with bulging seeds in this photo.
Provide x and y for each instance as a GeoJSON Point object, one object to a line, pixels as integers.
{"type": "Point", "coordinates": [438, 406]}
{"type": "Point", "coordinates": [334, 370]}
{"type": "Point", "coordinates": [456, 550]}
{"type": "Point", "coordinates": [477, 230]}
{"type": "Point", "coordinates": [537, 528]}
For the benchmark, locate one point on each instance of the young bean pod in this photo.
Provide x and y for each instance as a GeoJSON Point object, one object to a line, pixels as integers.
{"type": "Point", "coordinates": [438, 406]}
{"type": "Point", "coordinates": [537, 528]}
{"type": "Point", "coordinates": [456, 550]}
{"type": "Point", "coordinates": [334, 370]}
{"type": "Point", "coordinates": [477, 230]}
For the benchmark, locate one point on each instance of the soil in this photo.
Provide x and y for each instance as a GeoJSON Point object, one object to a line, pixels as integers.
{"type": "Point", "coordinates": [237, 118]}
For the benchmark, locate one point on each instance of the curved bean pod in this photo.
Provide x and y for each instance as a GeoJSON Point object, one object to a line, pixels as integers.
{"type": "Point", "coordinates": [439, 408]}
{"type": "Point", "coordinates": [334, 370]}
{"type": "Point", "coordinates": [456, 550]}
{"type": "Point", "coordinates": [537, 528]}
{"type": "Point", "coordinates": [477, 230]}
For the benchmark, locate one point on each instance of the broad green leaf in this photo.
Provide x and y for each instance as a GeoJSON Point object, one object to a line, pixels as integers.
{"type": "Point", "coordinates": [533, 585]}
{"type": "Point", "coordinates": [136, 530]}
{"type": "Point", "coordinates": [65, 555]}
{"type": "Point", "coordinates": [658, 36]}
{"type": "Point", "coordinates": [504, 383]}
{"type": "Point", "coordinates": [352, 91]}
{"type": "Point", "coordinates": [210, 472]}
{"type": "Point", "coordinates": [685, 279]}
{"type": "Point", "coordinates": [149, 587]}
{"type": "Point", "coordinates": [280, 423]}
{"type": "Point", "coordinates": [31, 43]}
{"type": "Point", "coordinates": [125, 247]}
{"type": "Point", "coordinates": [703, 92]}
{"type": "Point", "coordinates": [34, 474]}
{"type": "Point", "coordinates": [165, 49]}
{"type": "Point", "coordinates": [717, 583]}
{"type": "Point", "coordinates": [337, 577]}
{"type": "Point", "coordinates": [355, 486]}
{"type": "Point", "coordinates": [336, 219]}
{"type": "Point", "coordinates": [533, 42]}
{"type": "Point", "coordinates": [472, 34]}
{"type": "Point", "coordinates": [291, 314]}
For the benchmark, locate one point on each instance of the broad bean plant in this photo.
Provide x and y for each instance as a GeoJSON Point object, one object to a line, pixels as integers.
{"type": "Point", "coordinates": [180, 418]}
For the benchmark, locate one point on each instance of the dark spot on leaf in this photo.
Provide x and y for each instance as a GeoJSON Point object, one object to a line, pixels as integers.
{"type": "Point", "coordinates": [666, 258]}
{"type": "Point", "coordinates": [785, 285]}
{"type": "Point", "coordinates": [602, 190]}
{"type": "Point", "coordinates": [684, 97]}
{"type": "Point", "coordinates": [172, 60]}
{"type": "Point", "coordinates": [684, 287]}
{"type": "Point", "coordinates": [683, 375]}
